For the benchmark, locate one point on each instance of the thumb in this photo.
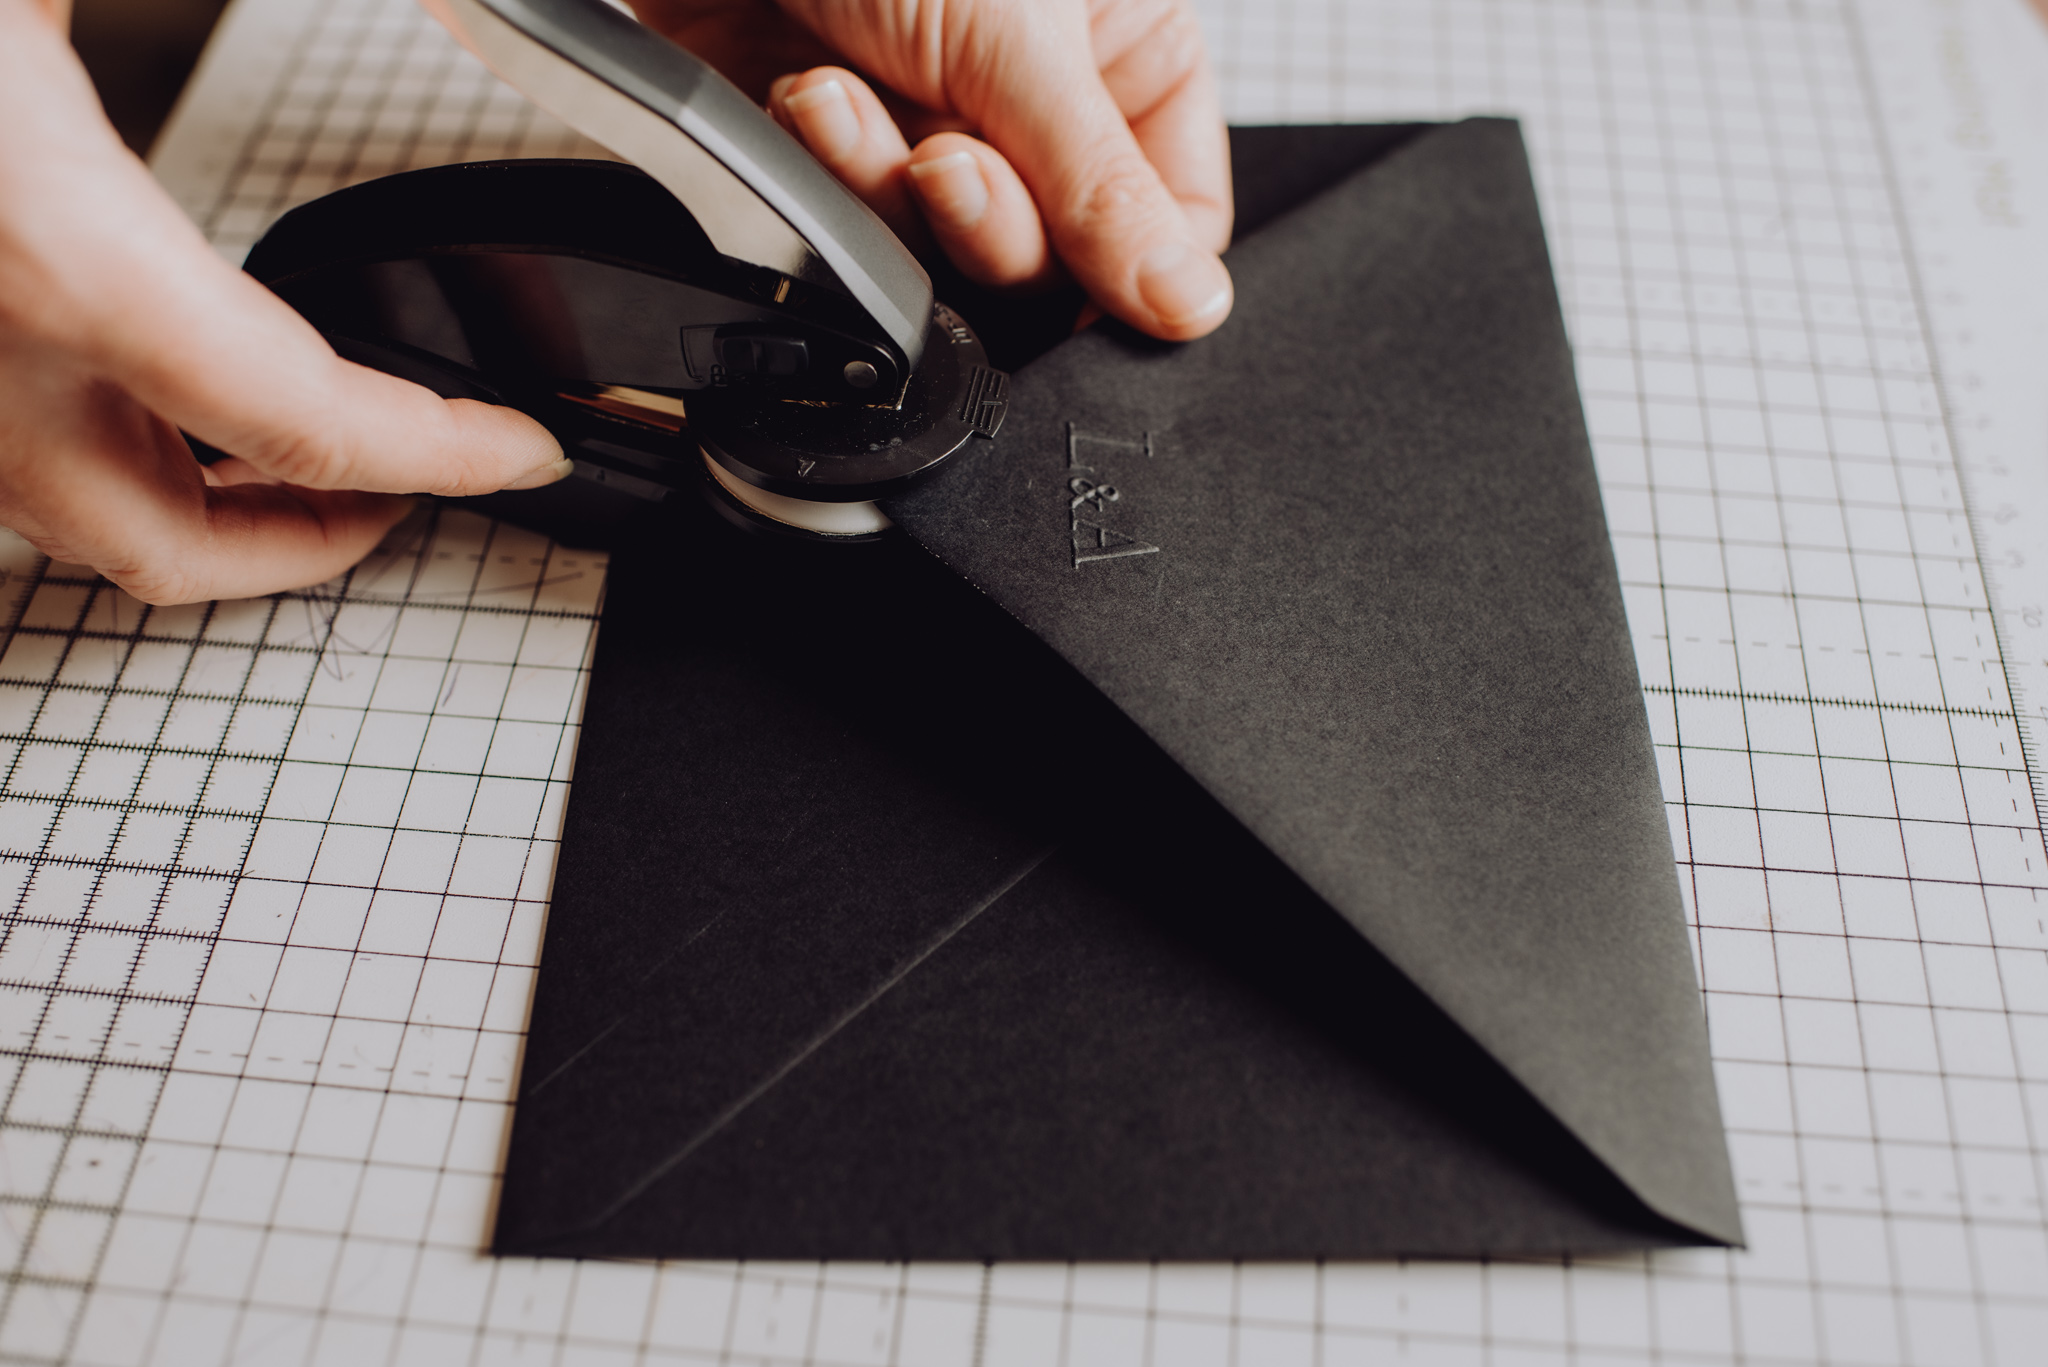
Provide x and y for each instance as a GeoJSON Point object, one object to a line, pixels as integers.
{"type": "Point", "coordinates": [124, 282]}
{"type": "Point", "coordinates": [1108, 211]}
{"type": "Point", "coordinates": [255, 380]}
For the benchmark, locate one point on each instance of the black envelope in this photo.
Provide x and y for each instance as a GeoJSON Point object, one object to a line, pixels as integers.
{"type": "Point", "coordinates": [1310, 896]}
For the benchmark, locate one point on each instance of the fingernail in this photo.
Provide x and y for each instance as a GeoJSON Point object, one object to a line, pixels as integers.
{"type": "Point", "coordinates": [1182, 284]}
{"type": "Point", "coordinates": [547, 474]}
{"type": "Point", "coordinates": [825, 115]}
{"type": "Point", "coordinates": [954, 192]}
{"type": "Point", "coordinates": [782, 83]}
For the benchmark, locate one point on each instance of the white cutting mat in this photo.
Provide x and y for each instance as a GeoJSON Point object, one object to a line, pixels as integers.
{"type": "Point", "coordinates": [276, 871]}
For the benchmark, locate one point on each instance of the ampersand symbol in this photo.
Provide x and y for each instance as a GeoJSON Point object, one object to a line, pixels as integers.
{"type": "Point", "coordinates": [1088, 491]}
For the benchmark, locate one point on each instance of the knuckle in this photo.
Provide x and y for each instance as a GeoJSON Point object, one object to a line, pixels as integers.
{"type": "Point", "coordinates": [1168, 29]}
{"type": "Point", "coordinates": [160, 582]}
{"type": "Point", "coordinates": [300, 458]}
{"type": "Point", "coordinates": [1177, 42]}
{"type": "Point", "coordinates": [42, 303]}
{"type": "Point", "coordinates": [1121, 186]}
{"type": "Point", "coordinates": [55, 547]}
{"type": "Point", "coordinates": [1159, 37]}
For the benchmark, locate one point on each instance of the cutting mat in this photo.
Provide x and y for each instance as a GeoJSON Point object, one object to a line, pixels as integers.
{"type": "Point", "coordinates": [275, 872]}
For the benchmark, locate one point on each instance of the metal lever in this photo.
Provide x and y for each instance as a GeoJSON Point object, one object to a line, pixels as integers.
{"type": "Point", "coordinates": [759, 195]}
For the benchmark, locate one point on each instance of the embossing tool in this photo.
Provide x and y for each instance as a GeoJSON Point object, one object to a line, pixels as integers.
{"type": "Point", "coordinates": [722, 316]}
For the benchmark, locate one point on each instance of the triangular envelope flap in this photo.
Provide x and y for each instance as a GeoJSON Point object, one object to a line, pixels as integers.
{"type": "Point", "coordinates": [798, 1001]}
{"type": "Point", "coordinates": [1345, 562]}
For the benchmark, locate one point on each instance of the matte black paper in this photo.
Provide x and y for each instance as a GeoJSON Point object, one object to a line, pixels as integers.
{"type": "Point", "coordinates": [1310, 896]}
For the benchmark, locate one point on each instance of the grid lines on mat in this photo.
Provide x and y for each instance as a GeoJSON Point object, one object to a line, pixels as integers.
{"type": "Point", "coordinates": [142, 986]}
{"type": "Point", "coordinates": [307, 1164]}
{"type": "Point", "coordinates": [368, 89]}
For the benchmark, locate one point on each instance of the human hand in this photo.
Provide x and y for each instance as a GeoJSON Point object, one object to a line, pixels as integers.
{"type": "Point", "coordinates": [1101, 145]}
{"type": "Point", "coordinates": [119, 326]}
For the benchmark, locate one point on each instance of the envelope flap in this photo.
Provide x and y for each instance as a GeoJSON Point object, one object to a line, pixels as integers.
{"type": "Point", "coordinates": [1345, 562]}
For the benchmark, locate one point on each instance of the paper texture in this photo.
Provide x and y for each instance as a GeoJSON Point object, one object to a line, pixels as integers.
{"type": "Point", "coordinates": [873, 1000]}
{"type": "Point", "coordinates": [1375, 585]}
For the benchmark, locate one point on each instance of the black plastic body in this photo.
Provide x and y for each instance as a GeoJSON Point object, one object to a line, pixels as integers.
{"type": "Point", "coordinates": [543, 270]}
{"type": "Point", "coordinates": [584, 294]}
{"type": "Point", "coordinates": [611, 77]}
{"type": "Point", "coordinates": [845, 453]}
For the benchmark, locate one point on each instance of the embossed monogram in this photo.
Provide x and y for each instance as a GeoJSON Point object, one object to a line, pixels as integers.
{"type": "Point", "coordinates": [1091, 537]}
{"type": "Point", "coordinates": [1086, 490]}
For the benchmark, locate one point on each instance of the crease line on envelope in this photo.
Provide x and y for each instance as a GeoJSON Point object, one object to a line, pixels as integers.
{"type": "Point", "coordinates": [818, 1041]}
{"type": "Point", "coordinates": [659, 967]}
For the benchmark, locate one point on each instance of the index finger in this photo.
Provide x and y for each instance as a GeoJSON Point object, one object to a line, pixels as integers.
{"type": "Point", "coordinates": [1156, 68]}
{"type": "Point", "coordinates": [232, 364]}
{"type": "Point", "coordinates": [109, 270]}
{"type": "Point", "coordinates": [1109, 213]}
